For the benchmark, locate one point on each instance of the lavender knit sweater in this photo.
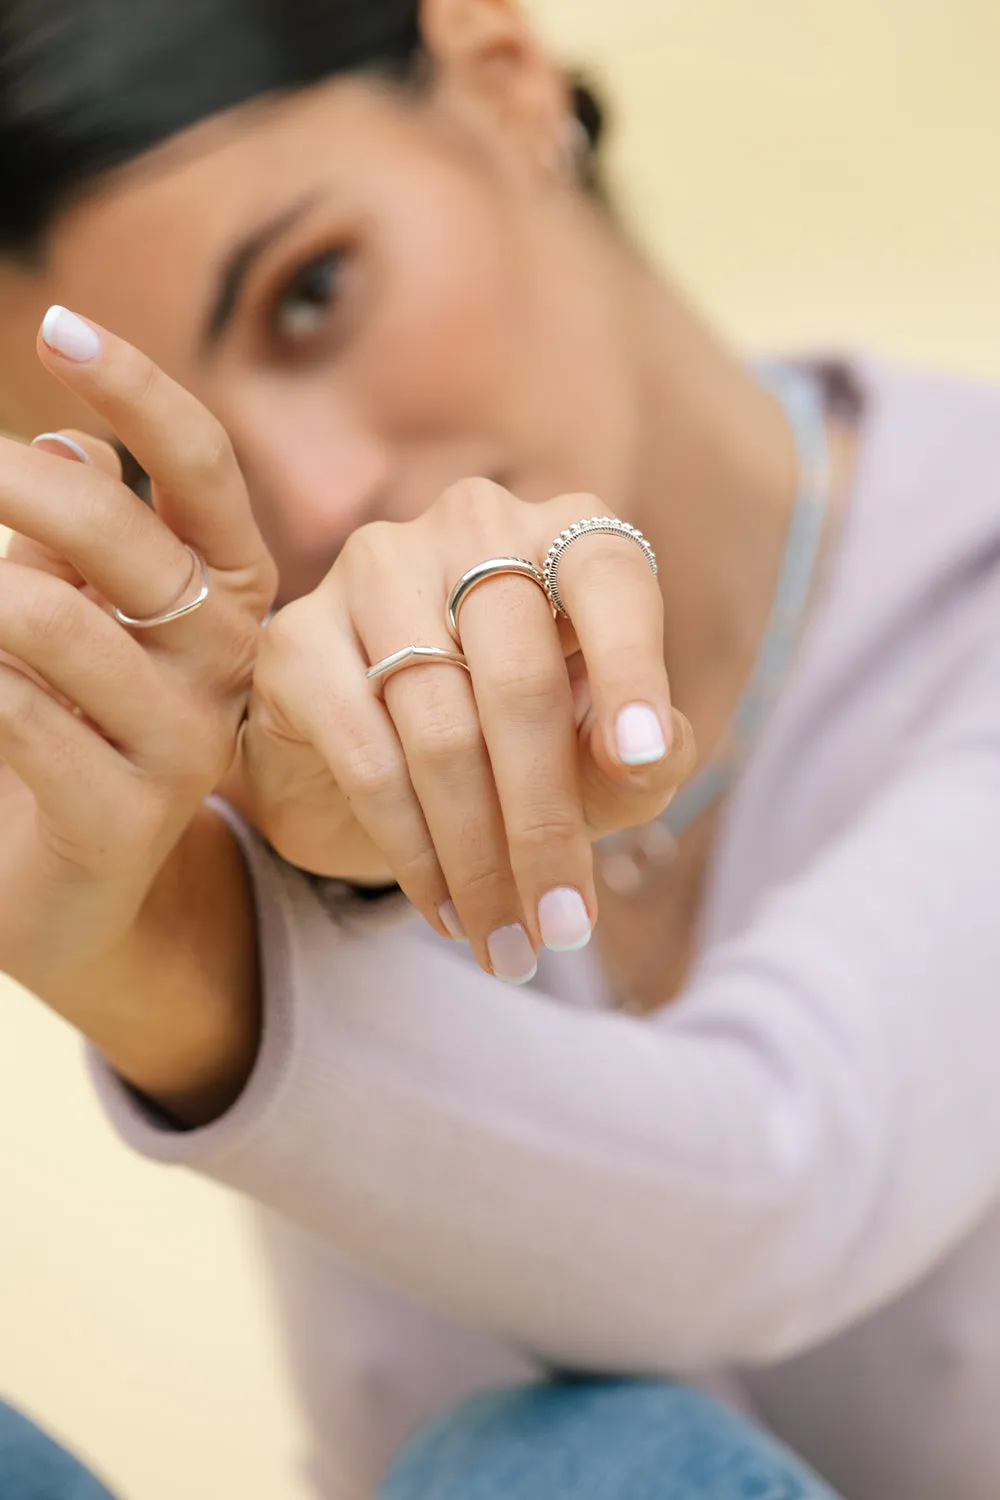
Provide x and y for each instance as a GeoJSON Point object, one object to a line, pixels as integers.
{"type": "Point", "coordinates": [793, 1176]}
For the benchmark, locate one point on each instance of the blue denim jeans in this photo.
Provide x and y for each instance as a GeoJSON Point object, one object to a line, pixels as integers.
{"type": "Point", "coordinates": [33, 1467]}
{"type": "Point", "coordinates": [573, 1440]}
{"type": "Point", "coordinates": [598, 1440]}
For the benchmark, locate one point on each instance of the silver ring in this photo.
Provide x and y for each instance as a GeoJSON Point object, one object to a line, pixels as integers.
{"type": "Point", "coordinates": [608, 524]}
{"type": "Point", "coordinates": [412, 656]}
{"type": "Point", "coordinates": [494, 567]}
{"type": "Point", "coordinates": [177, 611]}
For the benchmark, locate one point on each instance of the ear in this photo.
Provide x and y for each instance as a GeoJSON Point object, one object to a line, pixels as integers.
{"type": "Point", "coordinates": [490, 64]}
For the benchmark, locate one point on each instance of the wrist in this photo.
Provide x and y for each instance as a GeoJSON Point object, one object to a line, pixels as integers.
{"type": "Point", "coordinates": [176, 1010]}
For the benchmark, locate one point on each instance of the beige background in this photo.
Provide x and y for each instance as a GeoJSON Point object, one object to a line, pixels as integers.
{"type": "Point", "coordinates": [821, 172]}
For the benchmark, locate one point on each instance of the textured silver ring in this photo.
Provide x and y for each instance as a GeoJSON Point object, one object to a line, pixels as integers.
{"type": "Point", "coordinates": [494, 567]}
{"type": "Point", "coordinates": [177, 611]}
{"type": "Point", "coordinates": [411, 656]}
{"type": "Point", "coordinates": [597, 524]}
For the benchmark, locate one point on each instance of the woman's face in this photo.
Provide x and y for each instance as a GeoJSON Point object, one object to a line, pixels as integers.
{"type": "Point", "coordinates": [376, 295]}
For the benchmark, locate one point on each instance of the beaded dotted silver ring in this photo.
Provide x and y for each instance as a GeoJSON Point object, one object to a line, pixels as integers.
{"type": "Point", "coordinates": [607, 524]}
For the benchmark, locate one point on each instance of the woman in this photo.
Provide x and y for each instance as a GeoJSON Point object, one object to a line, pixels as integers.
{"type": "Point", "coordinates": [365, 238]}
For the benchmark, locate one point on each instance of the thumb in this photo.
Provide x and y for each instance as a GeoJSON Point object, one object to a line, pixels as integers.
{"type": "Point", "coordinates": [616, 797]}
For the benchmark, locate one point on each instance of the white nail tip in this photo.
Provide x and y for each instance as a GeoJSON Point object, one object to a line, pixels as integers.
{"type": "Point", "coordinates": [517, 984]}
{"type": "Point", "coordinates": [64, 442]}
{"type": "Point", "coordinates": [50, 323]}
{"type": "Point", "coordinates": [69, 335]}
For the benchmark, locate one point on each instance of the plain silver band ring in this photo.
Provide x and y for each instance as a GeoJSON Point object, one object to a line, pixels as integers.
{"type": "Point", "coordinates": [176, 612]}
{"type": "Point", "coordinates": [494, 567]}
{"type": "Point", "coordinates": [611, 526]}
{"type": "Point", "coordinates": [412, 656]}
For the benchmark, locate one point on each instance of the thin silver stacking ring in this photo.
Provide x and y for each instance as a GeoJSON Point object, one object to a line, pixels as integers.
{"type": "Point", "coordinates": [607, 524]}
{"type": "Point", "coordinates": [412, 656]}
{"type": "Point", "coordinates": [177, 611]}
{"type": "Point", "coordinates": [494, 567]}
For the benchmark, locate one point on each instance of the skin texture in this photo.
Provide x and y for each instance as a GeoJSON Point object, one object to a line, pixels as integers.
{"type": "Point", "coordinates": [486, 319]}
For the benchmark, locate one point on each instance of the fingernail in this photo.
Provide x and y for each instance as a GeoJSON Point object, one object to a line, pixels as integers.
{"type": "Point", "coordinates": [452, 922]}
{"type": "Point", "coordinates": [70, 336]}
{"type": "Point", "coordinates": [70, 449]}
{"type": "Point", "coordinates": [512, 956]}
{"type": "Point", "coordinates": [564, 920]}
{"type": "Point", "coordinates": [641, 741]}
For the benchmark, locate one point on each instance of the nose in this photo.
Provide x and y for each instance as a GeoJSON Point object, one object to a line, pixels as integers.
{"type": "Point", "coordinates": [314, 476]}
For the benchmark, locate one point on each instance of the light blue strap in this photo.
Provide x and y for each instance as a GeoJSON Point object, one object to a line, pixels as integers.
{"type": "Point", "coordinates": [802, 400]}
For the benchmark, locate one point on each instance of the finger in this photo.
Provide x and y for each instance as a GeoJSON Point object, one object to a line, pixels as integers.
{"type": "Point", "coordinates": [614, 602]}
{"type": "Point", "coordinates": [324, 700]}
{"type": "Point", "coordinates": [82, 448]}
{"type": "Point", "coordinates": [436, 717]}
{"type": "Point", "coordinates": [79, 448]}
{"type": "Point", "coordinates": [85, 516]}
{"type": "Point", "coordinates": [526, 710]}
{"type": "Point", "coordinates": [71, 772]}
{"type": "Point", "coordinates": [611, 804]}
{"type": "Point", "coordinates": [198, 488]}
{"type": "Point", "coordinates": [70, 643]}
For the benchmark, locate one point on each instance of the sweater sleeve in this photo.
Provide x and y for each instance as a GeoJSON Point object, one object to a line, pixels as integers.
{"type": "Point", "coordinates": [796, 1142]}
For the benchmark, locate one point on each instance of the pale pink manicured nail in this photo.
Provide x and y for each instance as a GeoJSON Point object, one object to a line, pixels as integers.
{"type": "Point", "coordinates": [452, 922]}
{"type": "Point", "coordinates": [68, 449]}
{"type": "Point", "coordinates": [512, 956]}
{"type": "Point", "coordinates": [564, 920]}
{"type": "Point", "coordinates": [641, 741]}
{"type": "Point", "coordinates": [70, 336]}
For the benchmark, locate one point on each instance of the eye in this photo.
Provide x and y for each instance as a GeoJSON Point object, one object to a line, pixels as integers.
{"type": "Point", "coordinates": [303, 308]}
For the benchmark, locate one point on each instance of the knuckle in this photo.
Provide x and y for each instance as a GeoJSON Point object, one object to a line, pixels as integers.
{"type": "Point", "coordinates": [288, 634]}
{"type": "Point", "coordinates": [446, 743]}
{"type": "Point", "coordinates": [368, 776]}
{"type": "Point", "coordinates": [418, 870]}
{"type": "Point", "coordinates": [527, 689]}
{"type": "Point", "coordinates": [51, 615]}
{"type": "Point", "coordinates": [280, 634]}
{"type": "Point", "coordinates": [547, 831]}
{"type": "Point", "coordinates": [473, 498]}
{"type": "Point", "coordinates": [206, 457]}
{"type": "Point", "coordinates": [487, 886]}
{"type": "Point", "coordinates": [579, 506]}
{"type": "Point", "coordinates": [368, 542]}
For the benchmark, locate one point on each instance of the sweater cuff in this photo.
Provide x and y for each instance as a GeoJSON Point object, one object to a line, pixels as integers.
{"type": "Point", "coordinates": [290, 910]}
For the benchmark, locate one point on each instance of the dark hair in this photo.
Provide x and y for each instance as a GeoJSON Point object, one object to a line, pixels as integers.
{"type": "Point", "coordinates": [88, 85]}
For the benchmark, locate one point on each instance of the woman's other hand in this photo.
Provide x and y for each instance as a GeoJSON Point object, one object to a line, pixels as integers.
{"type": "Point", "coordinates": [480, 794]}
{"type": "Point", "coordinates": [111, 738]}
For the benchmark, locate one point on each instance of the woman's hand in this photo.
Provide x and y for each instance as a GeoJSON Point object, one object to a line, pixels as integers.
{"type": "Point", "coordinates": [111, 739]}
{"type": "Point", "coordinates": [480, 795]}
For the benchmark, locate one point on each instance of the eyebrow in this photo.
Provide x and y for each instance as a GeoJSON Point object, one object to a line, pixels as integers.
{"type": "Point", "coordinates": [238, 265]}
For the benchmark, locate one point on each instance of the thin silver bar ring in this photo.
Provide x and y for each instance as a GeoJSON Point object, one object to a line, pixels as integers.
{"type": "Point", "coordinates": [609, 525]}
{"type": "Point", "coordinates": [177, 611]}
{"type": "Point", "coordinates": [412, 656]}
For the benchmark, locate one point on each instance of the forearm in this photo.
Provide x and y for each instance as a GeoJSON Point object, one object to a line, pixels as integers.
{"type": "Point", "coordinates": [176, 1011]}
